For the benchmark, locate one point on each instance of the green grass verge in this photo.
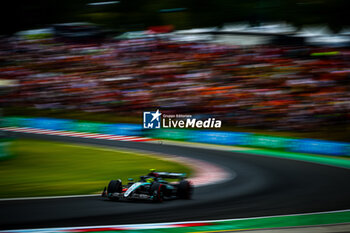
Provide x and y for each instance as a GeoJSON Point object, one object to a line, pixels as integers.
{"type": "Point", "coordinates": [44, 168]}
{"type": "Point", "coordinates": [321, 159]}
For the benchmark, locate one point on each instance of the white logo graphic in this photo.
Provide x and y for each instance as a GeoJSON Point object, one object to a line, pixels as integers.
{"type": "Point", "coordinates": [151, 120]}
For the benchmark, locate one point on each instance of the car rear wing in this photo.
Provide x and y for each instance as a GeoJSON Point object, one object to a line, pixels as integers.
{"type": "Point", "coordinates": [171, 175]}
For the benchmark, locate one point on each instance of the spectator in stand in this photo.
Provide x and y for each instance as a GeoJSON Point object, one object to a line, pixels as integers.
{"type": "Point", "coordinates": [262, 86]}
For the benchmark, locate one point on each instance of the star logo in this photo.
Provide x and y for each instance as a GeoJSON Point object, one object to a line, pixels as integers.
{"type": "Point", "coordinates": [151, 120]}
{"type": "Point", "coordinates": [156, 115]}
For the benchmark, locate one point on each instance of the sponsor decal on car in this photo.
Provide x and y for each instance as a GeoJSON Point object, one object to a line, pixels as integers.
{"type": "Point", "coordinates": [132, 188]}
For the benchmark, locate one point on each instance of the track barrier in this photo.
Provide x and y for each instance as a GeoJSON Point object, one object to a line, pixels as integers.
{"type": "Point", "coordinates": [311, 146]}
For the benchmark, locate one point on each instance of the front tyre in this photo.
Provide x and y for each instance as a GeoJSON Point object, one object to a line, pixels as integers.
{"type": "Point", "coordinates": [114, 186]}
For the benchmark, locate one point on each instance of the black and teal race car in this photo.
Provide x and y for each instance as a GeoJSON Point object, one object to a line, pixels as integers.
{"type": "Point", "coordinates": [153, 187]}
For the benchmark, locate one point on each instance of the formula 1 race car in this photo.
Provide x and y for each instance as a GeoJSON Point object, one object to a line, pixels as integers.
{"type": "Point", "coordinates": [151, 187]}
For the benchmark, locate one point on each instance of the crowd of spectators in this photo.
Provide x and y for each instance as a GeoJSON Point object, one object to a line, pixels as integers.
{"type": "Point", "coordinates": [270, 86]}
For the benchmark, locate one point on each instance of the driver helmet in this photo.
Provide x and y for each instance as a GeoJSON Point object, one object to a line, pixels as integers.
{"type": "Point", "coordinates": [149, 180]}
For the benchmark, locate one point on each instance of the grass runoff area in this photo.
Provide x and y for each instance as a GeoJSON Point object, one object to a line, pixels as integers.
{"type": "Point", "coordinates": [46, 168]}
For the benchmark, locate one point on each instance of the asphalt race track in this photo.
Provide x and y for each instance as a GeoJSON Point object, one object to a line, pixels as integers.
{"type": "Point", "coordinates": [264, 186]}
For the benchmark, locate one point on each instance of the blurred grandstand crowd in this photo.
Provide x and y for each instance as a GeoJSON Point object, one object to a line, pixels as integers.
{"type": "Point", "coordinates": [276, 87]}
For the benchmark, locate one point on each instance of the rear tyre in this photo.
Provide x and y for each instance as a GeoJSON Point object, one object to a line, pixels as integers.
{"type": "Point", "coordinates": [184, 190]}
{"type": "Point", "coordinates": [114, 186]}
{"type": "Point", "coordinates": [157, 192]}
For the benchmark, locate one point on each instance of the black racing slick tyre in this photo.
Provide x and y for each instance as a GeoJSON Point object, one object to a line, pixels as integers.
{"type": "Point", "coordinates": [114, 186]}
{"type": "Point", "coordinates": [157, 192]}
{"type": "Point", "coordinates": [184, 189]}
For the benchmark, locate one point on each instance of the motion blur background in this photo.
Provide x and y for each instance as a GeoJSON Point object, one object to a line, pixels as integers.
{"type": "Point", "coordinates": [275, 72]}
{"type": "Point", "coordinates": [258, 65]}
